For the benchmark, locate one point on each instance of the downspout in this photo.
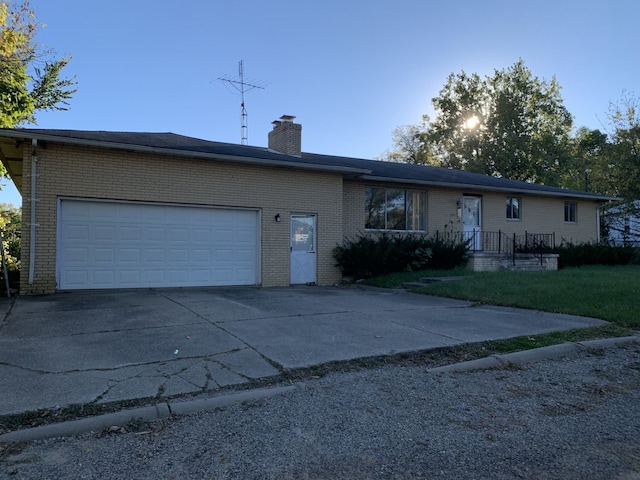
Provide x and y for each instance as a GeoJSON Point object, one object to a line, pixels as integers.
{"type": "Point", "coordinates": [32, 236]}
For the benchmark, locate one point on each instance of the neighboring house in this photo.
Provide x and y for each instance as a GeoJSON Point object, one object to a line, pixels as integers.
{"type": "Point", "coordinates": [623, 222]}
{"type": "Point", "coordinates": [125, 210]}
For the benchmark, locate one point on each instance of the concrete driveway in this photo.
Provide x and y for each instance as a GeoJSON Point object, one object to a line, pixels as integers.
{"type": "Point", "coordinates": [104, 346]}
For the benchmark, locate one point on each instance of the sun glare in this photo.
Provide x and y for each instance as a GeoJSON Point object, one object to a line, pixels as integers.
{"type": "Point", "coordinates": [471, 122]}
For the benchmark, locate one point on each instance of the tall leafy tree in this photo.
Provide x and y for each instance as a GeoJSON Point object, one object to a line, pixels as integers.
{"type": "Point", "coordinates": [527, 129]}
{"type": "Point", "coordinates": [30, 79]}
{"type": "Point", "coordinates": [511, 124]}
{"type": "Point", "coordinates": [458, 131]}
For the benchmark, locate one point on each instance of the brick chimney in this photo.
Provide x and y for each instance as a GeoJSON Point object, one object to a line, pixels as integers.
{"type": "Point", "coordinates": [286, 136]}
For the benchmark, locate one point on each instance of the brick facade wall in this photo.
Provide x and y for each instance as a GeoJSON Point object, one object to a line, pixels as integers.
{"type": "Point", "coordinates": [539, 214]}
{"type": "Point", "coordinates": [82, 172]}
{"type": "Point", "coordinates": [94, 173]}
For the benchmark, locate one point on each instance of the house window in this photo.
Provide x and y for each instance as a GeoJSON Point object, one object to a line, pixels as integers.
{"type": "Point", "coordinates": [395, 209]}
{"type": "Point", "coordinates": [513, 208]}
{"type": "Point", "coordinates": [570, 212]}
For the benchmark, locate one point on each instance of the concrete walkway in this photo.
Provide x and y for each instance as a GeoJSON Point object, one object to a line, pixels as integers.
{"type": "Point", "coordinates": [96, 347]}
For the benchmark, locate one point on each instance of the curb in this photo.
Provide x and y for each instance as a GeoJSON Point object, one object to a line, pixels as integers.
{"type": "Point", "coordinates": [534, 355]}
{"type": "Point", "coordinates": [166, 410]}
{"type": "Point", "coordinates": [151, 413]}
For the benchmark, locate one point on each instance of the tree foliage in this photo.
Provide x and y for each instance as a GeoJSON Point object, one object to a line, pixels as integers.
{"type": "Point", "coordinates": [410, 145]}
{"type": "Point", "coordinates": [29, 78]}
{"type": "Point", "coordinates": [10, 224]}
{"type": "Point", "coordinates": [624, 157]}
{"type": "Point", "coordinates": [511, 124]}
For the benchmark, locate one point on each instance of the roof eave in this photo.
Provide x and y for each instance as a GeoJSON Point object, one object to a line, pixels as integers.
{"type": "Point", "coordinates": [488, 188]}
{"type": "Point", "coordinates": [183, 153]}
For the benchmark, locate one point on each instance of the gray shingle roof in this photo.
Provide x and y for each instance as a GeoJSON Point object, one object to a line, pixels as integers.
{"type": "Point", "coordinates": [368, 170]}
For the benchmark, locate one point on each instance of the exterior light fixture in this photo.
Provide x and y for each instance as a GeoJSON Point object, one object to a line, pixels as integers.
{"type": "Point", "coordinates": [277, 218]}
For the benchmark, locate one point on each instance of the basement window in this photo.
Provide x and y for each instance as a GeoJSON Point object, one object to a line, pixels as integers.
{"type": "Point", "coordinates": [395, 209]}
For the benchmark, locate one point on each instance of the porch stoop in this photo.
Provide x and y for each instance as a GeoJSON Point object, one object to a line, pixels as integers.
{"type": "Point", "coordinates": [423, 282]}
{"type": "Point", "coordinates": [521, 262]}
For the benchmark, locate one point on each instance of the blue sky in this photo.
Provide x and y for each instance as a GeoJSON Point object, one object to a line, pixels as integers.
{"type": "Point", "coordinates": [349, 70]}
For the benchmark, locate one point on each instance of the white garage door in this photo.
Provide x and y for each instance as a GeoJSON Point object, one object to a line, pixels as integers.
{"type": "Point", "coordinates": [132, 245]}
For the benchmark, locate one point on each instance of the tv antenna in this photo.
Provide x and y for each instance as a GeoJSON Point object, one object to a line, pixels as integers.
{"type": "Point", "coordinates": [241, 87]}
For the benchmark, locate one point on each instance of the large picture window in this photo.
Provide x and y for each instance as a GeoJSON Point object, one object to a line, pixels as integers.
{"type": "Point", "coordinates": [395, 209]}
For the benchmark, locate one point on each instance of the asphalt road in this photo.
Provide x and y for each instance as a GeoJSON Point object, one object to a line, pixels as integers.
{"type": "Point", "coordinates": [574, 417]}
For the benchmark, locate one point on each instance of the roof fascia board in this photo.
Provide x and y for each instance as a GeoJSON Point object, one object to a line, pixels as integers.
{"type": "Point", "coordinates": [186, 153]}
{"type": "Point", "coordinates": [524, 191]}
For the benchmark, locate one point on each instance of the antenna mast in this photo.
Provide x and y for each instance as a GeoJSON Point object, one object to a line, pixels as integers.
{"type": "Point", "coordinates": [242, 87]}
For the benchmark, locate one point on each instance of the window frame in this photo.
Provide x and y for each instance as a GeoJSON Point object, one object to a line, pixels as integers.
{"type": "Point", "coordinates": [409, 206]}
{"type": "Point", "coordinates": [570, 212]}
{"type": "Point", "coordinates": [510, 209]}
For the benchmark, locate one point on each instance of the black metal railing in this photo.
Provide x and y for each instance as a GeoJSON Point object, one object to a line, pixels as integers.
{"type": "Point", "coordinates": [501, 242]}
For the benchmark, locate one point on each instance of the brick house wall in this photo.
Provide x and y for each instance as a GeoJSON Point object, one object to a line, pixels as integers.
{"type": "Point", "coordinates": [539, 214]}
{"type": "Point", "coordinates": [71, 171]}
{"type": "Point", "coordinates": [96, 173]}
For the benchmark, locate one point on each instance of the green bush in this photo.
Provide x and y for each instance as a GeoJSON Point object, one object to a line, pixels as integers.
{"type": "Point", "coordinates": [368, 256]}
{"type": "Point", "coordinates": [10, 221]}
{"type": "Point", "coordinates": [575, 255]}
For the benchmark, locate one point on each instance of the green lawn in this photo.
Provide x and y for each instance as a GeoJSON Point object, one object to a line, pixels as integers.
{"type": "Point", "coordinates": [608, 293]}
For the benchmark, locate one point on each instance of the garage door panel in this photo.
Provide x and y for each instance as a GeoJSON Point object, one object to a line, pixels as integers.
{"type": "Point", "coordinates": [200, 256]}
{"type": "Point", "coordinates": [129, 277]}
{"type": "Point", "coordinates": [154, 255]}
{"type": "Point", "coordinates": [153, 234]}
{"type": "Point", "coordinates": [177, 235]}
{"type": "Point", "coordinates": [76, 232]}
{"type": "Point", "coordinates": [121, 245]}
{"type": "Point", "coordinates": [103, 278]}
{"type": "Point", "coordinates": [77, 210]}
{"type": "Point", "coordinates": [200, 235]}
{"type": "Point", "coordinates": [129, 256]}
{"type": "Point", "coordinates": [104, 255]}
{"type": "Point", "coordinates": [77, 255]}
{"type": "Point", "coordinates": [76, 277]}
{"type": "Point", "coordinates": [178, 255]}
{"type": "Point", "coordinates": [103, 211]}
{"type": "Point", "coordinates": [129, 233]}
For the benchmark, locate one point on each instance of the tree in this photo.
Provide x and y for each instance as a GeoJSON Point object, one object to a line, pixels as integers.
{"type": "Point", "coordinates": [29, 79]}
{"type": "Point", "coordinates": [527, 128]}
{"type": "Point", "coordinates": [411, 145]}
{"type": "Point", "coordinates": [458, 131]}
{"type": "Point", "coordinates": [10, 224]}
{"type": "Point", "coordinates": [589, 167]}
{"type": "Point", "coordinates": [622, 167]}
{"type": "Point", "coordinates": [510, 125]}
{"type": "Point", "coordinates": [624, 120]}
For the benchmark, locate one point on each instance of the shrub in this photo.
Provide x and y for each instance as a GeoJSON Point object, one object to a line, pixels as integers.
{"type": "Point", "coordinates": [575, 255]}
{"type": "Point", "coordinates": [10, 221]}
{"type": "Point", "coordinates": [367, 256]}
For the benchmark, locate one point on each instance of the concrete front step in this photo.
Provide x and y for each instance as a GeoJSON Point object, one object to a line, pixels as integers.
{"type": "Point", "coordinates": [423, 282]}
{"type": "Point", "coordinates": [524, 268]}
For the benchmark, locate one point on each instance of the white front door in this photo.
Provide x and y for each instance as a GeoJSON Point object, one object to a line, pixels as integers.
{"type": "Point", "coordinates": [303, 249]}
{"type": "Point", "coordinates": [471, 220]}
